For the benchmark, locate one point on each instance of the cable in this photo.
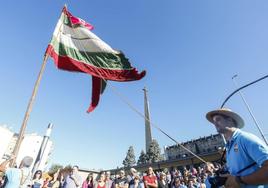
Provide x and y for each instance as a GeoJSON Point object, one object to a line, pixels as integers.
{"type": "Point", "coordinates": [138, 112]}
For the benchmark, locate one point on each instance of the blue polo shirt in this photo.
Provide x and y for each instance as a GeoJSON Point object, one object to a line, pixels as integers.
{"type": "Point", "coordinates": [13, 176]}
{"type": "Point", "coordinates": [244, 149]}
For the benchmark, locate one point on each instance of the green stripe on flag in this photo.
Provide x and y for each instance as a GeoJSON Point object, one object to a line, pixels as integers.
{"type": "Point", "coordinates": [98, 59]}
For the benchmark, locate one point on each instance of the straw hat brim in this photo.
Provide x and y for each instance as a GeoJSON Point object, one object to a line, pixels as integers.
{"type": "Point", "coordinates": [226, 112]}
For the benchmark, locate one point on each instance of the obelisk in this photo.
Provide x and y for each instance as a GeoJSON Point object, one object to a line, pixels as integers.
{"type": "Point", "coordinates": [148, 133]}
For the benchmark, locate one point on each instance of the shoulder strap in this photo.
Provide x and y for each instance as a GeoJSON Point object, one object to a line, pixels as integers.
{"type": "Point", "coordinates": [222, 160]}
{"type": "Point", "coordinates": [251, 165]}
{"type": "Point", "coordinates": [23, 178]}
{"type": "Point", "coordinates": [245, 168]}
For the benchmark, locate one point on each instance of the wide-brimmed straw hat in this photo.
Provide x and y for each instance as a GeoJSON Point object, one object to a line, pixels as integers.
{"type": "Point", "coordinates": [226, 112]}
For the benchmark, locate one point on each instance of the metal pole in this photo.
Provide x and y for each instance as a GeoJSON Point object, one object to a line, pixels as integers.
{"type": "Point", "coordinates": [42, 148]}
{"type": "Point", "coordinates": [249, 84]}
{"type": "Point", "coordinates": [249, 110]}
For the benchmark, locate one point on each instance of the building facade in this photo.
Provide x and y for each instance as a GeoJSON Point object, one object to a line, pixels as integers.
{"type": "Point", "coordinates": [209, 148]}
{"type": "Point", "coordinates": [6, 137]}
{"type": "Point", "coordinates": [30, 146]}
{"type": "Point", "coordinates": [201, 146]}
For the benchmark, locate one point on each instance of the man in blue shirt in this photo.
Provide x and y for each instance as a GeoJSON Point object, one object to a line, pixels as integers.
{"type": "Point", "coordinates": [246, 155]}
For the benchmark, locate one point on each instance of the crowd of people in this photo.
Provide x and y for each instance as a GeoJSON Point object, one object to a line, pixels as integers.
{"type": "Point", "coordinates": [184, 178]}
{"type": "Point", "coordinates": [176, 178]}
{"type": "Point", "coordinates": [246, 162]}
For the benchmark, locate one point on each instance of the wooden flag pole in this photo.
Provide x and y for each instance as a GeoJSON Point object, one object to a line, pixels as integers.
{"type": "Point", "coordinates": [30, 104]}
{"type": "Point", "coordinates": [28, 111]}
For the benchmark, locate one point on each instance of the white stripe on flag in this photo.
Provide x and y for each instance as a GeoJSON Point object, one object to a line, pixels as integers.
{"type": "Point", "coordinates": [81, 39]}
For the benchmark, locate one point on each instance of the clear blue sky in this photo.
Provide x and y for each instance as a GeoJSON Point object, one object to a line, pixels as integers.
{"type": "Point", "coordinates": [190, 50]}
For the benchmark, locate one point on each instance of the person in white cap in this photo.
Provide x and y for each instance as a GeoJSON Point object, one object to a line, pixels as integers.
{"type": "Point", "coordinates": [131, 175]}
{"type": "Point", "coordinates": [73, 180]}
{"type": "Point", "coordinates": [18, 177]}
{"type": "Point", "coordinates": [246, 155]}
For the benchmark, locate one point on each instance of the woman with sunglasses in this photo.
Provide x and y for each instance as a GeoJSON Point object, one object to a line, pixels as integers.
{"type": "Point", "coordinates": [37, 181]}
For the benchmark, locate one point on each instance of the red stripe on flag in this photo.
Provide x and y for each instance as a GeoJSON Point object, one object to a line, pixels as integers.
{"type": "Point", "coordinates": [69, 64]}
{"type": "Point", "coordinates": [77, 21]}
{"type": "Point", "coordinates": [96, 92]}
{"type": "Point", "coordinates": [98, 74]}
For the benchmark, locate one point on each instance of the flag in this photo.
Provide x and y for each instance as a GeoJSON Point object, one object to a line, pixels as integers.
{"type": "Point", "coordinates": [75, 48]}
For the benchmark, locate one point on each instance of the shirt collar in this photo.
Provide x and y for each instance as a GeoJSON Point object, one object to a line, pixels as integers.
{"type": "Point", "coordinates": [234, 137]}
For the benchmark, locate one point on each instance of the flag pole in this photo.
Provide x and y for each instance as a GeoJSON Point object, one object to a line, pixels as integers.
{"type": "Point", "coordinates": [29, 109]}
{"type": "Point", "coordinates": [30, 104]}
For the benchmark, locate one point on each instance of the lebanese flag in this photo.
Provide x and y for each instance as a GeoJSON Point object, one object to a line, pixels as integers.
{"type": "Point", "coordinates": [75, 48]}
